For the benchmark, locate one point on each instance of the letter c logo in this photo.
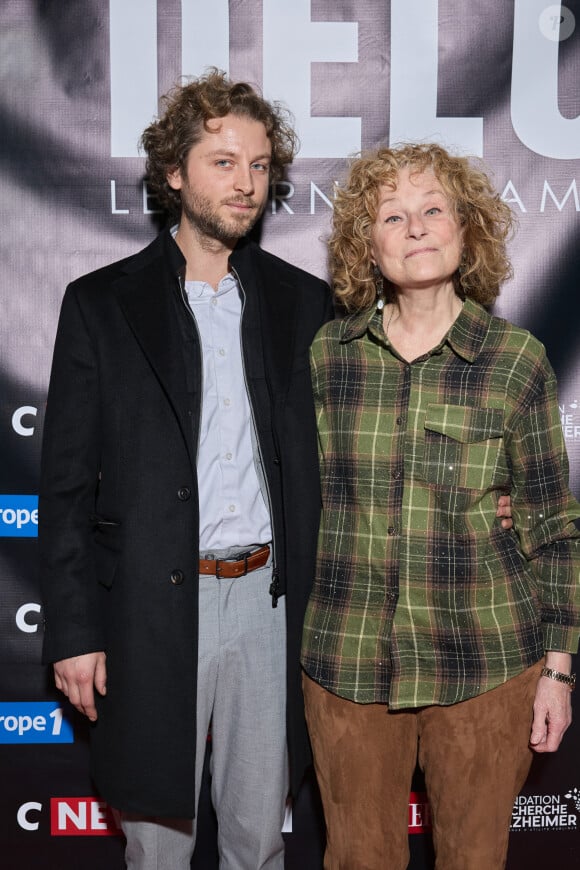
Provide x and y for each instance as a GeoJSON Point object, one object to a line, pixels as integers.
{"type": "Point", "coordinates": [22, 815]}
{"type": "Point", "coordinates": [21, 615]}
{"type": "Point", "coordinates": [19, 413]}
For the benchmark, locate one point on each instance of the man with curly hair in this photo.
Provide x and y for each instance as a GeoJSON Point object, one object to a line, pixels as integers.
{"type": "Point", "coordinates": [180, 494]}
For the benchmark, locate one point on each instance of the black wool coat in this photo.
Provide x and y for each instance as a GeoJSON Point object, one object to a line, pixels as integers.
{"type": "Point", "coordinates": [118, 518]}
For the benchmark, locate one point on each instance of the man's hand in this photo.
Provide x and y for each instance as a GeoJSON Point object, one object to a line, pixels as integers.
{"type": "Point", "coordinates": [552, 706]}
{"type": "Point", "coordinates": [77, 676]}
{"type": "Point", "coordinates": [504, 509]}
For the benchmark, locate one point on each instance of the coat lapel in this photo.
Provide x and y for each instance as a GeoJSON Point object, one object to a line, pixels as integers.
{"type": "Point", "coordinates": [278, 304]}
{"type": "Point", "coordinates": [146, 298]}
{"type": "Point", "coordinates": [272, 306]}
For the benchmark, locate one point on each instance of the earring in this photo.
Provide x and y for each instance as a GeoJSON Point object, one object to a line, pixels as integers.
{"type": "Point", "coordinates": [380, 290]}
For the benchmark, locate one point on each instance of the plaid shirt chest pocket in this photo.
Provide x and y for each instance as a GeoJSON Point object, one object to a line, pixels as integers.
{"type": "Point", "coordinates": [464, 447]}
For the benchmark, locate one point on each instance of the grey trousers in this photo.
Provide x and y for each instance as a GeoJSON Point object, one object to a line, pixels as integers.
{"type": "Point", "coordinates": [241, 691]}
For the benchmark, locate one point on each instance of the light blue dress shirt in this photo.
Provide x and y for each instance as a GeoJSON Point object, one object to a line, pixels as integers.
{"type": "Point", "coordinates": [232, 510]}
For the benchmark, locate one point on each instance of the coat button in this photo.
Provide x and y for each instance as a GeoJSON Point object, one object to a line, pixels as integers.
{"type": "Point", "coordinates": [177, 577]}
{"type": "Point", "coordinates": [184, 493]}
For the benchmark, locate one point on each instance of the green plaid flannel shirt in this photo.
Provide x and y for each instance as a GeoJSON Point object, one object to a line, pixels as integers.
{"type": "Point", "coordinates": [420, 597]}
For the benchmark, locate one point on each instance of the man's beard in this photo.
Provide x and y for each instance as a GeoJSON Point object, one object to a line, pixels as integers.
{"type": "Point", "coordinates": [203, 217]}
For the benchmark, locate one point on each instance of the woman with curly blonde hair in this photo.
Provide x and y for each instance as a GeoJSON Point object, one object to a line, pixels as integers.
{"type": "Point", "coordinates": [433, 633]}
{"type": "Point", "coordinates": [486, 222]}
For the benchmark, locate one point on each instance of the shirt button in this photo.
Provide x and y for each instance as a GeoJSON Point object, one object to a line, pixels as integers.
{"type": "Point", "coordinates": [214, 301]}
{"type": "Point", "coordinates": [392, 530]}
{"type": "Point", "coordinates": [222, 351]}
{"type": "Point", "coordinates": [227, 403]}
{"type": "Point", "coordinates": [396, 474]}
{"type": "Point", "coordinates": [177, 577]}
{"type": "Point", "coordinates": [228, 456]}
{"type": "Point", "coordinates": [232, 508]}
{"type": "Point", "coordinates": [399, 421]}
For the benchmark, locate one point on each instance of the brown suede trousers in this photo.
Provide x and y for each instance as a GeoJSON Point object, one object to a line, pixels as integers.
{"type": "Point", "coordinates": [475, 757]}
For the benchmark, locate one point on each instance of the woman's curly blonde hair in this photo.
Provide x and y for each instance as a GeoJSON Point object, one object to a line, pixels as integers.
{"type": "Point", "coordinates": [486, 220]}
{"type": "Point", "coordinates": [188, 108]}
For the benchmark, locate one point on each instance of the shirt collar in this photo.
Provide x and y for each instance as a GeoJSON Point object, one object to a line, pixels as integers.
{"type": "Point", "coordinates": [201, 289]}
{"type": "Point", "coordinates": [468, 333]}
{"type": "Point", "coordinates": [465, 337]}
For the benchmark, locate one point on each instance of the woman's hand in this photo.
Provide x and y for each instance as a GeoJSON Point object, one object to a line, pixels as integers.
{"type": "Point", "coordinates": [552, 706]}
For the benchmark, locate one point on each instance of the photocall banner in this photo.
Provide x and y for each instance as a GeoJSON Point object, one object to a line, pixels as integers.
{"type": "Point", "coordinates": [80, 80]}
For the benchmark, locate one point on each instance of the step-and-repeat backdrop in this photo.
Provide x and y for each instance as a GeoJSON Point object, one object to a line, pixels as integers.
{"type": "Point", "coordinates": [80, 80]}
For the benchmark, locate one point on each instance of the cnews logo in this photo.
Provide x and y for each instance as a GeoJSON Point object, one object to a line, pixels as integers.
{"type": "Point", "coordinates": [419, 813]}
{"type": "Point", "coordinates": [23, 623]}
{"type": "Point", "coordinates": [72, 817]}
{"type": "Point", "coordinates": [20, 424]}
{"type": "Point", "coordinates": [18, 516]}
{"type": "Point", "coordinates": [34, 722]}
{"type": "Point", "coordinates": [82, 817]}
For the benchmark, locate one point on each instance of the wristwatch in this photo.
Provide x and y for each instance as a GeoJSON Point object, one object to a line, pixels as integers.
{"type": "Point", "coordinates": [568, 679]}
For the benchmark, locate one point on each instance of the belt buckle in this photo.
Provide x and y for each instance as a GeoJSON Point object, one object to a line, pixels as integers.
{"type": "Point", "coordinates": [241, 557]}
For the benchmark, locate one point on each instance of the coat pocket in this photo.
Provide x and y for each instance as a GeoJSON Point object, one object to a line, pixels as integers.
{"type": "Point", "coordinates": [106, 549]}
{"type": "Point", "coordinates": [464, 447]}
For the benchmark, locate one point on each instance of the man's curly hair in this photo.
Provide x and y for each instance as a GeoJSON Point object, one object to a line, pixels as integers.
{"type": "Point", "coordinates": [486, 221]}
{"type": "Point", "coordinates": [187, 110]}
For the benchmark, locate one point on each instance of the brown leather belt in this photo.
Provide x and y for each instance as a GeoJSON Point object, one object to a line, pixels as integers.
{"type": "Point", "coordinates": [229, 568]}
